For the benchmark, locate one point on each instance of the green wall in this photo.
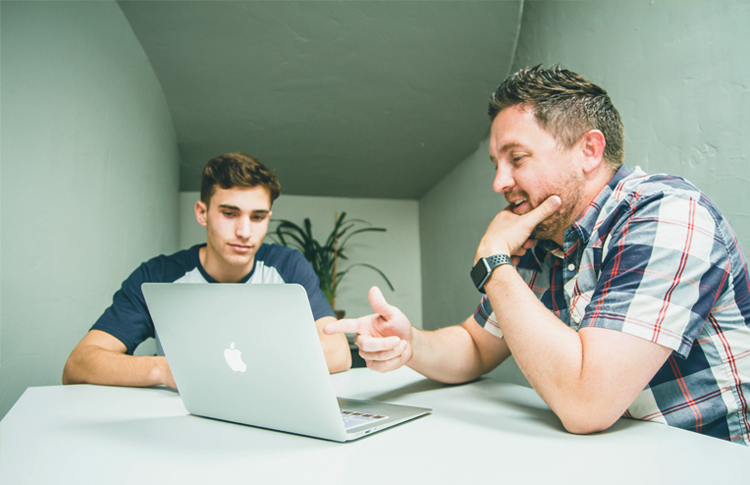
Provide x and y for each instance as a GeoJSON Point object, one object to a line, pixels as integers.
{"type": "Point", "coordinates": [678, 72]}
{"type": "Point", "coordinates": [89, 183]}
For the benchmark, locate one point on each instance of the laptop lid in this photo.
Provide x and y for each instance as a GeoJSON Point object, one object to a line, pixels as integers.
{"type": "Point", "coordinates": [250, 354]}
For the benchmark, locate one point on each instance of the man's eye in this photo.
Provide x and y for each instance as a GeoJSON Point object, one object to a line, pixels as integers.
{"type": "Point", "coordinates": [228, 214]}
{"type": "Point", "coordinates": [259, 217]}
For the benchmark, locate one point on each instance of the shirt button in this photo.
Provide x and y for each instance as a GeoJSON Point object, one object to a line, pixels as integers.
{"type": "Point", "coordinates": [577, 319]}
{"type": "Point", "coordinates": [571, 267]}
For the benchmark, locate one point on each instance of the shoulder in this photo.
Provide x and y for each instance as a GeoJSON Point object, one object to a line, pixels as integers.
{"type": "Point", "coordinates": [658, 199]}
{"type": "Point", "coordinates": [167, 268]}
{"type": "Point", "coordinates": [288, 264]}
{"type": "Point", "coordinates": [640, 189]}
{"type": "Point", "coordinates": [662, 217]}
{"type": "Point", "coordinates": [274, 255]}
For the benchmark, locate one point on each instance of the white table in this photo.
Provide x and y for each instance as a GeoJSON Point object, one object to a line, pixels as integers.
{"type": "Point", "coordinates": [482, 432]}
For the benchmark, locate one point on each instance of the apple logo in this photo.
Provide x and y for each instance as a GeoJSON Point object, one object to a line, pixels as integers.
{"type": "Point", "coordinates": [234, 359]}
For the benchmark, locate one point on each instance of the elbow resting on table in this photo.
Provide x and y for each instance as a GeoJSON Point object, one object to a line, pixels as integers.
{"type": "Point", "coordinates": [69, 372]}
{"type": "Point", "coordinates": [585, 410]}
{"type": "Point", "coordinates": [345, 364]}
{"type": "Point", "coordinates": [339, 360]}
{"type": "Point", "coordinates": [589, 423]}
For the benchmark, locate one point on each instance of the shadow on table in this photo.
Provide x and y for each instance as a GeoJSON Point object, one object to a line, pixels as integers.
{"type": "Point", "coordinates": [199, 436]}
{"type": "Point", "coordinates": [424, 385]}
{"type": "Point", "coordinates": [520, 409]}
{"type": "Point", "coordinates": [517, 406]}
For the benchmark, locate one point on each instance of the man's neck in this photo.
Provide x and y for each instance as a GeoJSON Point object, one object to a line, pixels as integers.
{"type": "Point", "coordinates": [220, 272]}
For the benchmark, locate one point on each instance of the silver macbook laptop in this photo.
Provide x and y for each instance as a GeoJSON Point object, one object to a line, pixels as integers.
{"type": "Point", "coordinates": [250, 354]}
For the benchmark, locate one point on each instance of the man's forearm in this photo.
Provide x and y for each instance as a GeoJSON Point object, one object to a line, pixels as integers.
{"type": "Point", "coordinates": [548, 352]}
{"type": "Point", "coordinates": [450, 355]}
{"type": "Point", "coordinates": [589, 377]}
{"type": "Point", "coordinates": [95, 365]}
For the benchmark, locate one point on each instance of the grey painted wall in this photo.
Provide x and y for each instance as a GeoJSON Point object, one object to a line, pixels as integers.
{"type": "Point", "coordinates": [677, 71]}
{"type": "Point", "coordinates": [89, 162]}
{"type": "Point", "coordinates": [89, 178]}
{"type": "Point", "coordinates": [679, 74]}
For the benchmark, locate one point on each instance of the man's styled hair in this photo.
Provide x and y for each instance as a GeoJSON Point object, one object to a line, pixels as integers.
{"type": "Point", "coordinates": [237, 170]}
{"type": "Point", "coordinates": [566, 105]}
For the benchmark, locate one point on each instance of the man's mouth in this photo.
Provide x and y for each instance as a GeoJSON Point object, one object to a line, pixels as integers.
{"type": "Point", "coordinates": [241, 248]}
{"type": "Point", "coordinates": [518, 206]}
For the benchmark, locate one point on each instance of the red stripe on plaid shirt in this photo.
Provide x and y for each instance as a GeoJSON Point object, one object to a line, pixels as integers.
{"type": "Point", "coordinates": [686, 393]}
{"type": "Point", "coordinates": [682, 405]}
{"type": "Point", "coordinates": [531, 283]}
{"type": "Point", "coordinates": [732, 362]}
{"type": "Point", "coordinates": [553, 286]}
{"type": "Point", "coordinates": [678, 274]}
{"type": "Point", "coordinates": [618, 256]}
{"type": "Point", "coordinates": [615, 267]}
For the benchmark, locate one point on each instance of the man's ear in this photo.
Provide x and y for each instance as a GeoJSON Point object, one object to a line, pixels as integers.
{"type": "Point", "coordinates": [200, 213]}
{"type": "Point", "coordinates": [592, 147]}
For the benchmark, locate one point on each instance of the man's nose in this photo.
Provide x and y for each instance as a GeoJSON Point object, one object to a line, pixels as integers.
{"type": "Point", "coordinates": [243, 229]}
{"type": "Point", "coordinates": [503, 178]}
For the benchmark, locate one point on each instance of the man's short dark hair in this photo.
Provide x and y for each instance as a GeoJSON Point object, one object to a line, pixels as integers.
{"type": "Point", "coordinates": [566, 105]}
{"type": "Point", "coordinates": [237, 170]}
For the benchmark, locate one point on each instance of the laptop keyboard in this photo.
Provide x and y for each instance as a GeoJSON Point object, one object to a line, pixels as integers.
{"type": "Point", "coordinates": [353, 419]}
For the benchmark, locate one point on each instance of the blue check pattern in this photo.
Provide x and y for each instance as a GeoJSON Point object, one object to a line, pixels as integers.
{"type": "Point", "coordinates": [653, 257]}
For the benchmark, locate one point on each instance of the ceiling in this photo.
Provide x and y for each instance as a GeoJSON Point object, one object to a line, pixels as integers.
{"type": "Point", "coordinates": [373, 99]}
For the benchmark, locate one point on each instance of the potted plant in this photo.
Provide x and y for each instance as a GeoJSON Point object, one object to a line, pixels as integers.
{"type": "Point", "coordinates": [324, 257]}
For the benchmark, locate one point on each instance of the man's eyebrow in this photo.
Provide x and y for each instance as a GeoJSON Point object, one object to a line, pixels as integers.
{"type": "Point", "coordinates": [235, 208]}
{"type": "Point", "coordinates": [509, 146]}
{"type": "Point", "coordinates": [230, 207]}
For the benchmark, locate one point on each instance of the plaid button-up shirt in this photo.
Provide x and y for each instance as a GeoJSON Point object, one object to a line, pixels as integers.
{"type": "Point", "coordinates": [653, 257]}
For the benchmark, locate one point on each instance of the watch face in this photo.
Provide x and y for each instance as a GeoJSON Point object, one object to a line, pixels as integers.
{"type": "Point", "coordinates": [479, 274]}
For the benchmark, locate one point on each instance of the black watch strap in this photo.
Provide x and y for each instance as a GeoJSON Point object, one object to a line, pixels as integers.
{"type": "Point", "coordinates": [482, 271]}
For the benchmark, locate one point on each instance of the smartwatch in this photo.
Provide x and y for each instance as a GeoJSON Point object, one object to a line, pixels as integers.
{"type": "Point", "coordinates": [482, 271]}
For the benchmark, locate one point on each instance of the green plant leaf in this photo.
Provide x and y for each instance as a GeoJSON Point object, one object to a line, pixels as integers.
{"type": "Point", "coordinates": [322, 257]}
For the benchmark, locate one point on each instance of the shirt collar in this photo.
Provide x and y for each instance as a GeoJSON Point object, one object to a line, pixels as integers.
{"type": "Point", "coordinates": [582, 229]}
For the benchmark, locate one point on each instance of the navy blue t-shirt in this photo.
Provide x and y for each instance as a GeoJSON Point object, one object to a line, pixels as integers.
{"type": "Point", "coordinates": [128, 320]}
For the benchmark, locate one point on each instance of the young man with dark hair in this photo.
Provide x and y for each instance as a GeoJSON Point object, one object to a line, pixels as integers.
{"type": "Point", "coordinates": [237, 192]}
{"type": "Point", "coordinates": [617, 292]}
